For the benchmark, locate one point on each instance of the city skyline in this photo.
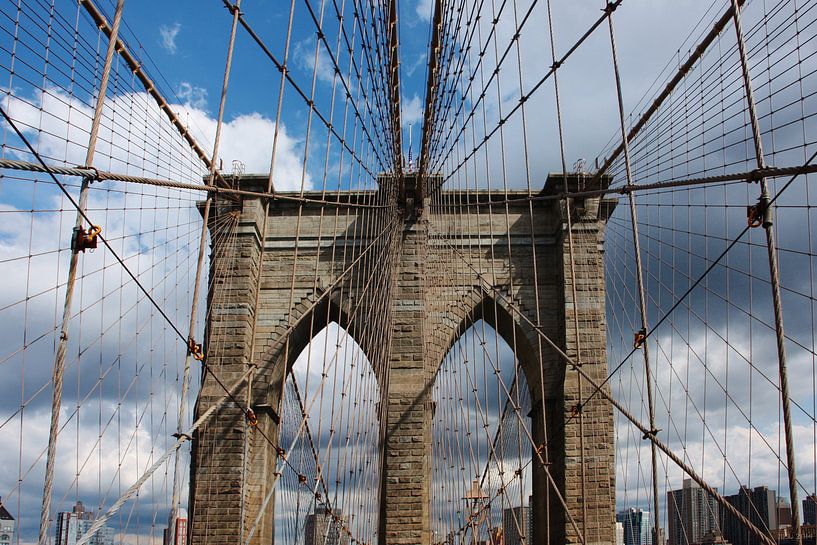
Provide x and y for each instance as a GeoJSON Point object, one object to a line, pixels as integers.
{"type": "Point", "coordinates": [694, 517]}
{"type": "Point", "coordinates": [72, 525]}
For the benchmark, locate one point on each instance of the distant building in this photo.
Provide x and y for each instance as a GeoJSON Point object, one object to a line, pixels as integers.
{"type": "Point", "coordinates": [619, 533]}
{"type": "Point", "coordinates": [783, 509]}
{"type": "Point", "coordinates": [6, 526]}
{"type": "Point", "coordinates": [810, 509]}
{"type": "Point", "coordinates": [516, 525]}
{"type": "Point", "coordinates": [714, 538]}
{"type": "Point", "coordinates": [71, 526]}
{"type": "Point", "coordinates": [691, 513]}
{"type": "Point", "coordinates": [637, 529]}
{"type": "Point", "coordinates": [759, 505]}
{"type": "Point", "coordinates": [807, 531]}
{"type": "Point", "coordinates": [176, 533]}
{"type": "Point", "coordinates": [324, 528]}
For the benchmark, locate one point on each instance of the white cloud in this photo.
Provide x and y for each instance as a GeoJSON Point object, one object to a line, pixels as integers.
{"type": "Point", "coordinates": [423, 9]}
{"type": "Point", "coordinates": [409, 69]}
{"type": "Point", "coordinates": [168, 34]}
{"type": "Point", "coordinates": [142, 141]}
{"type": "Point", "coordinates": [248, 138]}
{"type": "Point", "coordinates": [195, 97]}
{"type": "Point", "coordinates": [304, 55]}
{"type": "Point", "coordinates": [412, 110]}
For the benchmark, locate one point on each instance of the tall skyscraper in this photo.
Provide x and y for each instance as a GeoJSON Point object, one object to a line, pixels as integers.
{"type": "Point", "coordinates": [6, 526]}
{"type": "Point", "coordinates": [637, 529]}
{"type": "Point", "coordinates": [810, 509]}
{"type": "Point", "coordinates": [71, 526]}
{"type": "Point", "coordinates": [691, 514]}
{"type": "Point", "coordinates": [783, 509]}
{"type": "Point", "coordinates": [322, 528]}
{"type": "Point", "coordinates": [515, 519]}
{"type": "Point", "coordinates": [759, 505]}
{"type": "Point", "coordinates": [619, 533]}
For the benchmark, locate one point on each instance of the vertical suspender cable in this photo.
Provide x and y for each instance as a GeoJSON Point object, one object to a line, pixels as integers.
{"type": "Point", "coordinates": [257, 295]}
{"type": "Point", "coordinates": [199, 267]}
{"type": "Point", "coordinates": [639, 279]}
{"type": "Point", "coordinates": [766, 210]}
{"type": "Point", "coordinates": [62, 347]}
{"type": "Point", "coordinates": [572, 259]}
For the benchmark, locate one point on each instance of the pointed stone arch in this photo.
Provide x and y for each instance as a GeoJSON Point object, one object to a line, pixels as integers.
{"type": "Point", "coordinates": [477, 304]}
{"type": "Point", "coordinates": [522, 297]}
{"type": "Point", "coordinates": [233, 467]}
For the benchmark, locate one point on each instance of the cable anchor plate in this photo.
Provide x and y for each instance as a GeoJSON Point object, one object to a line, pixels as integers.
{"type": "Point", "coordinates": [83, 239]}
{"type": "Point", "coordinates": [639, 338]}
{"type": "Point", "coordinates": [194, 349]}
{"type": "Point", "coordinates": [760, 213]}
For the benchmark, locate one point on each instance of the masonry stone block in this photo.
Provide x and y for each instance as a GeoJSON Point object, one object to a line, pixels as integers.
{"type": "Point", "coordinates": [510, 265]}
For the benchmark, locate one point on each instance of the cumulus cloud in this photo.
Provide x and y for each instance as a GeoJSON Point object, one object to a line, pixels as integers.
{"type": "Point", "coordinates": [305, 59]}
{"type": "Point", "coordinates": [136, 138]}
{"type": "Point", "coordinates": [194, 97]}
{"type": "Point", "coordinates": [423, 8]}
{"type": "Point", "coordinates": [124, 365]}
{"type": "Point", "coordinates": [168, 34]}
{"type": "Point", "coordinates": [412, 110]}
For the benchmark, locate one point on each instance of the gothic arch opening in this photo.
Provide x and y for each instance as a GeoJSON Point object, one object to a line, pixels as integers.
{"type": "Point", "coordinates": [482, 483]}
{"type": "Point", "coordinates": [330, 432]}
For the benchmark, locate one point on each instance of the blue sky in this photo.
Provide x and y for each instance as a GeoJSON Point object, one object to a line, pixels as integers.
{"type": "Point", "coordinates": [184, 46]}
{"type": "Point", "coordinates": [187, 41]}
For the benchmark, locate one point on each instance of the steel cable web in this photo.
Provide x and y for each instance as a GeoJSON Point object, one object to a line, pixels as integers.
{"type": "Point", "coordinates": [117, 446]}
{"type": "Point", "coordinates": [711, 311]}
{"type": "Point", "coordinates": [162, 300]}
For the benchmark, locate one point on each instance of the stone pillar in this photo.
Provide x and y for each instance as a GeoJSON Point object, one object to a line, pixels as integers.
{"type": "Point", "coordinates": [548, 516]}
{"type": "Point", "coordinates": [218, 447]}
{"type": "Point", "coordinates": [590, 442]}
{"type": "Point", "coordinates": [405, 509]}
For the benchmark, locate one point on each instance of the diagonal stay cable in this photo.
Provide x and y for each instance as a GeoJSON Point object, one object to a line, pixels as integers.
{"type": "Point", "coordinates": [648, 434]}
{"type": "Point", "coordinates": [84, 215]}
{"type": "Point", "coordinates": [695, 284]}
{"type": "Point", "coordinates": [282, 68]}
{"type": "Point", "coordinates": [528, 95]}
{"type": "Point", "coordinates": [183, 437]}
{"type": "Point", "coordinates": [117, 257]}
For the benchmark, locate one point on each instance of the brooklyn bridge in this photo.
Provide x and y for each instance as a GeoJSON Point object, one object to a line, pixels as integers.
{"type": "Point", "coordinates": [339, 272]}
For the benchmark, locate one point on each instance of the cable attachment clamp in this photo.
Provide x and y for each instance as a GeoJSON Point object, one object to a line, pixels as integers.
{"type": "Point", "coordinates": [194, 349]}
{"type": "Point", "coordinates": [252, 418]}
{"type": "Point", "coordinates": [652, 433]}
{"type": "Point", "coordinates": [639, 338]}
{"type": "Point", "coordinates": [760, 213]}
{"type": "Point", "coordinates": [83, 240]}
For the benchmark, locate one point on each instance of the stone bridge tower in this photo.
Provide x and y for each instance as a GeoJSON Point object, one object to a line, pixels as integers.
{"type": "Point", "coordinates": [427, 310]}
